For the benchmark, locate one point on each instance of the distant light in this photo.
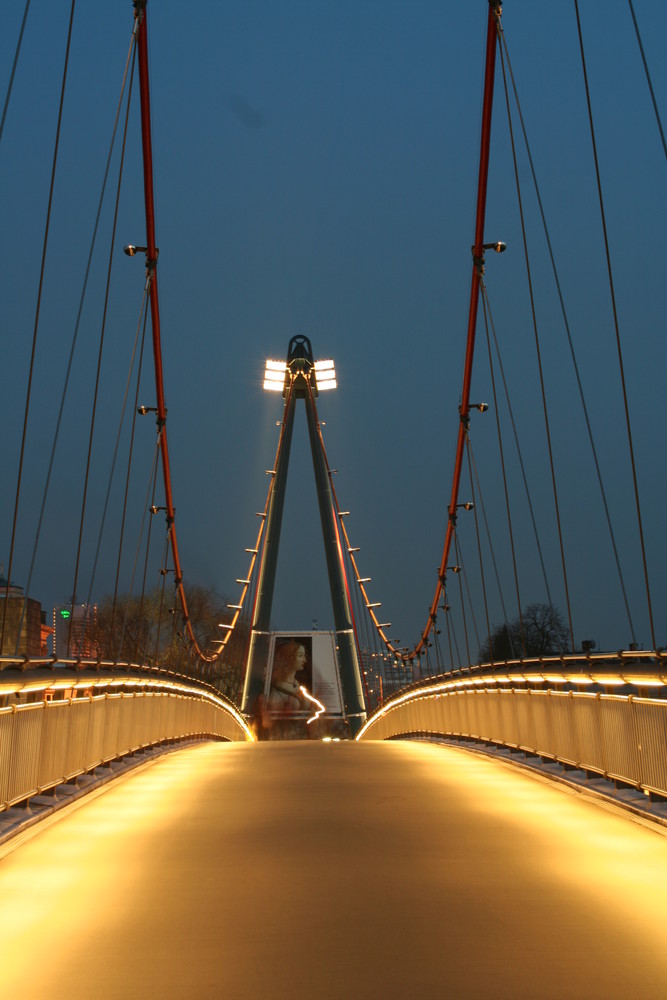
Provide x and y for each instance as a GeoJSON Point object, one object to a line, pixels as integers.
{"type": "Point", "coordinates": [65, 614]}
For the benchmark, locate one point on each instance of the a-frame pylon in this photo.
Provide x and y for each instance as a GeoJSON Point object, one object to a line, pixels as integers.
{"type": "Point", "coordinates": [300, 382]}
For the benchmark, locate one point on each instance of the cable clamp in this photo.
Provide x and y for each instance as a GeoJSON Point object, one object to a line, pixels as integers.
{"type": "Point", "coordinates": [478, 262]}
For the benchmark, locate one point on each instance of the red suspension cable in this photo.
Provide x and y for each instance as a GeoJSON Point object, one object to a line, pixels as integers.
{"type": "Point", "coordinates": [151, 265]}
{"type": "Point", "coordinates": [478, 254]}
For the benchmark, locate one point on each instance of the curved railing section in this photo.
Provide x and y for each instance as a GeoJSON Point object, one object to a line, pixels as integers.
{"type": "Point", "coordinates": [592, 713]}
{"type": "Point", "coordinates": [62, 720]}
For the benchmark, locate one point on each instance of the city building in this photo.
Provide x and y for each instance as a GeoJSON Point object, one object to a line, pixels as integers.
{"type": "Point", "coordinates": [74, 631]}
{"type": "Point", "coordinates": [23, 620]}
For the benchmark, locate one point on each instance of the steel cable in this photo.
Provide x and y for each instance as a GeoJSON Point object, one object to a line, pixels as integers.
{"type": "Point", "coordinates": [112, 244]}
{"type": "Point", "coordinates": [36, 326]}
{"type": "Point", "coordinates": [619, 349]}
{"type": "Point", "coordinates": [129, 462]}
{"type": "Point", "coordinates": [75, 334]}
{"type": "Point", "coordinates": [14, 65]}
{"type": "Point", "coordinates": [538, 351]}
{"type": "Point", "coordinates": [648, 80]}
{"type": "Point", "coordinates": [570, 341]}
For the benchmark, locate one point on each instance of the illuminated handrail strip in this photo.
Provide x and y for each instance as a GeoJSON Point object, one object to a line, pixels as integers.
{"type": "Point", "coordinates": [619, 736]}
{"type": "Point", "coordinates": [82, 732]}
{"type": "Point", "coordinates": [458, 682]}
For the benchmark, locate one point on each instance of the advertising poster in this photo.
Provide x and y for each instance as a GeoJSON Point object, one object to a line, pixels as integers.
{"type": "Point", "coordinates": [303, 661]}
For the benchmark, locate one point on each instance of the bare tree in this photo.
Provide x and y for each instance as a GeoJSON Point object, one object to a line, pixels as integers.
{"type": "Point", "coordinates": [540, 631]}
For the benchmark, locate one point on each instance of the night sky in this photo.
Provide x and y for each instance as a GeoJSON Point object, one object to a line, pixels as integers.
{"type": "Point", "coordinates": [315, 173]}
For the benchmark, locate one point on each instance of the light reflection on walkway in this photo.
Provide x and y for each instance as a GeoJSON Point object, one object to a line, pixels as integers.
{"type": "Point", "coordinates": [437, 874]}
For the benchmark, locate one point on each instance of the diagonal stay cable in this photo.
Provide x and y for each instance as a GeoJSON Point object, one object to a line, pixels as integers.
{"type": "Point", "coordinates": [63, 397]}
{"type": "Point", "coordinates": [129, 459]}
{"type": "Point", "coordinates": [648, 78]}
{"type": "Point", "coordinates": [36, 324]}
{"type": "Point", "coordinates": [459, 574]}
{"type": "Point", "coordinates": [148, 546]}
{"type": "Point", "coordinates": [494, 561]}
{"type": "Point", "coordinates": [14, 65]}
{"type": "Point", "coordinates": [144, 519]}
{"type": "Point", "coordinates": [112, 244]}
{"type": "Point", "coordinates": [570, 341]}
{"type": "Point", "coordinates": [501, 452]}
{"type": "Point", "coordinates": [538, 351]}
{"type": "Point", "coordinates": [488, 319]}
{"type": "Point", "coordinates": [619, 348]}
{"type": "Point", "coordinates": [478, 539]}
{"type": "Point", "coordinates": [121, 421]}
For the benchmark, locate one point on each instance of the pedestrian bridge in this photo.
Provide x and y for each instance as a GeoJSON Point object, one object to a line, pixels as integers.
{"type": "Point", "coordinates": [150, 845]}
{"type": "Point", "coordinates": [317, 868]}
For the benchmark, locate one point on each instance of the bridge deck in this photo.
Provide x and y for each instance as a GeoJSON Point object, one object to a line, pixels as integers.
{"type": "Point", "coordinates": [329, 870]}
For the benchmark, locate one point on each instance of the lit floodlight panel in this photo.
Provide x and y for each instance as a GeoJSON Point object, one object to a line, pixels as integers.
{"type": "Point", "coordinates": [274, 376]}
{"type": "Point", "coordinates": [325, 375]}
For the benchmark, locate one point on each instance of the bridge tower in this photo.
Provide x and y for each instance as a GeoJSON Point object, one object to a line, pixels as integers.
{"type": "Point", "coordinates": [299, 379]}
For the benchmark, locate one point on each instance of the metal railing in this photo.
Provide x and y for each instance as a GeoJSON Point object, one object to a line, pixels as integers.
{"type": "Point", "coordinates": [621, 736]}
{"type": "Point", "coordinates": [97, 715]}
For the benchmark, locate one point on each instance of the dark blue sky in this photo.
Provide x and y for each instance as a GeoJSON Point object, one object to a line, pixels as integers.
{"type": "Point", "coordinates": [315, 173]}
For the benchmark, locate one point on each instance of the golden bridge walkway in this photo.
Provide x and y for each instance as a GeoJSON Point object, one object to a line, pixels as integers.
{"type": "Point", "coordinates": [322, 870]}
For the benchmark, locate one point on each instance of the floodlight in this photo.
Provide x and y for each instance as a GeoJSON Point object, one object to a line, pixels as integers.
{"type": "Point", "coordinates": [325, 375]}
{"type": "Point", "coordinates": [274, 376]}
